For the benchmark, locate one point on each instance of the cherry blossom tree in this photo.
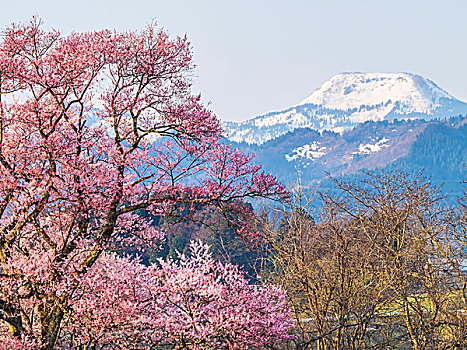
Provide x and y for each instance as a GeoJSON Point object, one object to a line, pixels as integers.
{"type": "Point", "coordinates": [99, 132]}
{"type": "Point", "coordinates": [194, 302]}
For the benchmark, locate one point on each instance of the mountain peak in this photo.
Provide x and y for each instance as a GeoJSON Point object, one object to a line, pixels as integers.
{"type": "Point", "coordinates": [351, 90]}
{"type": "Point", "coordinates": [348, 99]}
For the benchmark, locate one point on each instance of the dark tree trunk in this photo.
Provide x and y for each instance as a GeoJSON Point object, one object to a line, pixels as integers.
{"type": "Point", "coordinates": [51, 318]}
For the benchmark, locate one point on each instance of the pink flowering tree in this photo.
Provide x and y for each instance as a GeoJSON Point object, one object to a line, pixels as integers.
{"type": "Point", "coordinates": [194, 302]}
{"type": "Point", "coordinates": [95, 130]}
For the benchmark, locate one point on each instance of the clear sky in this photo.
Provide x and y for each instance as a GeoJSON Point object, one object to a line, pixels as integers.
{"type": "Point", "coordinates": [255, 56]}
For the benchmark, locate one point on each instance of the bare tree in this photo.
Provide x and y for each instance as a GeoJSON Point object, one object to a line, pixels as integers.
{"type": "Point", "coordinates": [380, 265]}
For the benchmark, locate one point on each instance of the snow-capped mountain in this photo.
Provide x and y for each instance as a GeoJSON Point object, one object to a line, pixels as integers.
{"type": "Point", "coordinates": [348, 91]}
{"type": "Point", "coordinates": [349, 99]}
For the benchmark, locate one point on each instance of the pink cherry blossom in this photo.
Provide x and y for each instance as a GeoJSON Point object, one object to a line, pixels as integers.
{"type": "Point", "coordinates": [96, 129]}
{"type": "Point", "coordinates": [194, 302]}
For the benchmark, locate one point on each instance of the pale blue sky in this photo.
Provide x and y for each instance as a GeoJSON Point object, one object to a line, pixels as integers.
{"type": "Point", "coordinates": [261, 55]}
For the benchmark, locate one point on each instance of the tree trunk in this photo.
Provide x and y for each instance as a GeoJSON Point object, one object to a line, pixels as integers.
{"type": "Point", "coordinates": [50, 319]}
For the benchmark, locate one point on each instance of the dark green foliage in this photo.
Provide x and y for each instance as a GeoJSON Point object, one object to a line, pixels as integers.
{"type": "Point", "coordinates": [210, 227]}
{"type": "Point", "coordinates": [441, 152]}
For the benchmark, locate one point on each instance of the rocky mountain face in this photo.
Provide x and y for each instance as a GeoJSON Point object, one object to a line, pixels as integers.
{"type": "Point", "coordinates": [359, 121]}
{"type": "Point", "coordinates": [349, 99]}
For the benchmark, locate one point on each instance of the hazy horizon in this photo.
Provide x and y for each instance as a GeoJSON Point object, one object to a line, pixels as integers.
{"type": "Point", "coordinates": [256, 57]}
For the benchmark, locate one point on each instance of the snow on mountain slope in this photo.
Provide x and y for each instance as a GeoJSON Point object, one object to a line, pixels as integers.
{"type": "Point", "coordinates": [370, 148]}
{"type": "Point", "coordinates": [310, 151]}
{"type": "Point", "coordinates": [352, 90]}
{"type": "Point", "coordinates": [348, 99]}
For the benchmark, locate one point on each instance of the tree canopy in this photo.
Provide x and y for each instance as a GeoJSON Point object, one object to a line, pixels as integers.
{"type": "Point", "coordinates": [99, 133]}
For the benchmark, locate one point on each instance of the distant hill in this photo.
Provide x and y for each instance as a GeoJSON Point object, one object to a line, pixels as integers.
{"type": "Point", "coordinates": [436, 147]}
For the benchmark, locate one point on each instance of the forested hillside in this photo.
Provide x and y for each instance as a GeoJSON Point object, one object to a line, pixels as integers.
{"type": "Point", "coordinates": [441, 152]}
{"type": "Point", "coordinates": [437, 148]}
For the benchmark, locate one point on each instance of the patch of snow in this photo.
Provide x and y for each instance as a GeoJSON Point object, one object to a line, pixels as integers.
{"type": "Point", "coordinates": [290, 117]}
{"type": "Point", "coordinates": [372, 148]}
{"type": "Point", "coordinates": [310, 151]}
{"type": "Point", "coordinates": [339, 129]}
{"type": "Point", "coordinates": [375, 114]}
